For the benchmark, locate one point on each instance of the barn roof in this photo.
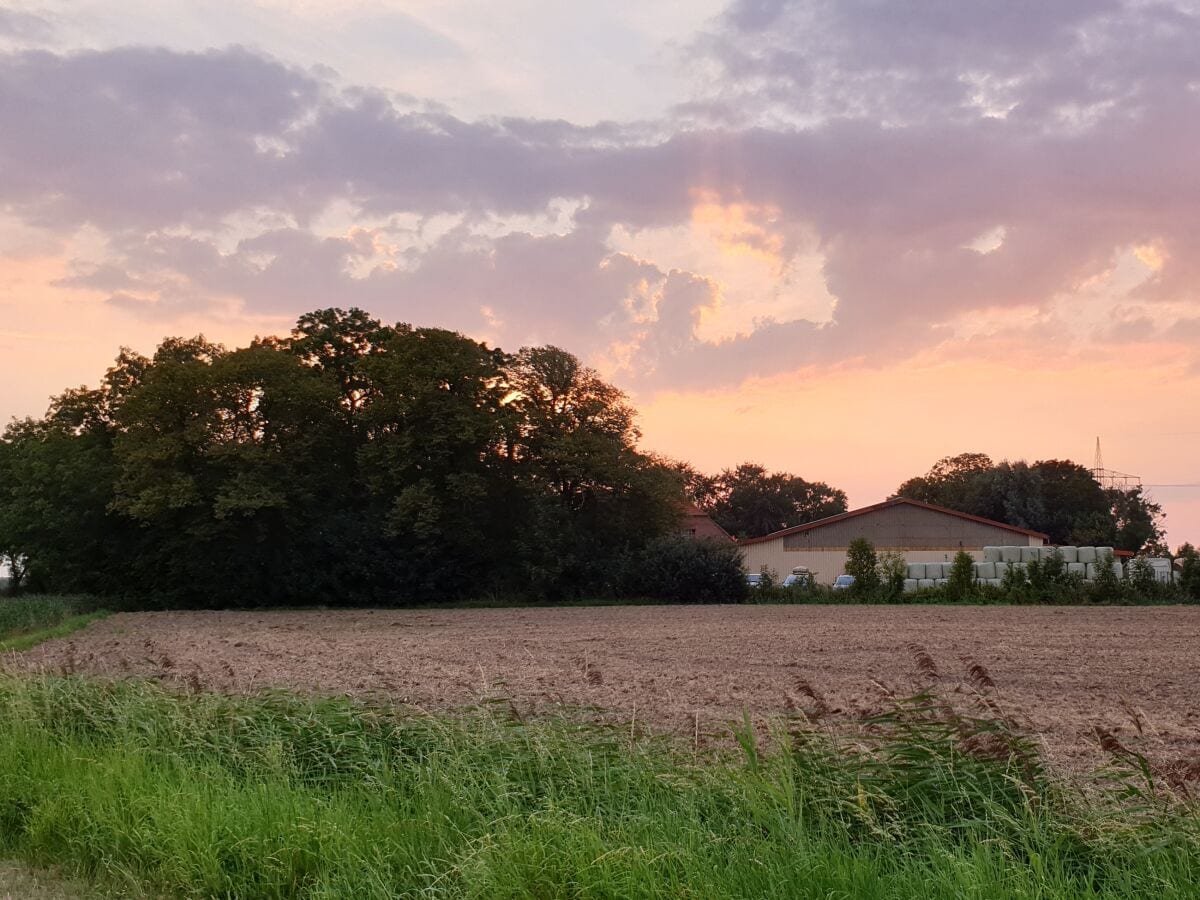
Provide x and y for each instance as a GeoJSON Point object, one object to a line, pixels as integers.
{"type": "Point", "coordinates": [895, 501]}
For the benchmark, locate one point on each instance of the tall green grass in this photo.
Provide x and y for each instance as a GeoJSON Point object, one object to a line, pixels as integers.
{"type": "Point", "coordinates": [29, 620]}
{"type": "Point", "coordinates": [201, 795]}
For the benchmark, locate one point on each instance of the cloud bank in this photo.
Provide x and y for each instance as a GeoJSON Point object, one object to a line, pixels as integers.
{"type": "Point", "coordinates": [851, 183]}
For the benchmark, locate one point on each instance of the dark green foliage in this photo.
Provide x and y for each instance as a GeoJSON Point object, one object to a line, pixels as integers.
{"type": "Point", "coordinates": [166, 794]}
{"type": "Point", "coordinates": [1048, 581]}
{"type": "Point", "coordinates": [1189, 572]}
{"type": "Point", "coordinates": [892, 572]}
{"type": "Point", "coordinates": [683, 570]}
{"type": "Point", "coordinates": [961, 583]}
{"type": "Point", "coordinates": [349, 463]}
{"type": "Point", "coordinates": [1057, 497]}
{"type": "Point", "coordinates": [1106, 586]}
{"type": "Point", "coordinates": [863, 564]}
{"type": "Point", "coordinates": [749, 501]}
{"type": "Point", "coordinates": [1141, 577]}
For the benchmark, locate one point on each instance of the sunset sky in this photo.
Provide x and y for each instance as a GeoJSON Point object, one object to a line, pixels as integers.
{"type": "Point", "coordinates": [840, 237]}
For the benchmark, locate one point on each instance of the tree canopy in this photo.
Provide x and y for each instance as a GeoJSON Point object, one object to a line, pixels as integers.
{"type": "Point", "coordinates": [749, 501]}
{"type": "Point", "coordinates": [350, 461]}
{"type": "Point", "coordinates": [1058, 497]}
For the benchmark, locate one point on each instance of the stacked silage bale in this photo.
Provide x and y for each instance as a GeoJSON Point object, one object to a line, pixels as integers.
{"type": "Point", "coordinates": [912, 578]}
{"type": "Point", "coordinates": [925, 575]}
{"type": "Point", "coordinates": [997, 562]}
{"type": "Point", "coordinates": [1082, 561]}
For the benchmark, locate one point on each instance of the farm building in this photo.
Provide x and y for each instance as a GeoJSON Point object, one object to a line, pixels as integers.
{"type": "Point", "coordinates": [700, 525]}
{"type": "Point", "coordinates": [920, 531]}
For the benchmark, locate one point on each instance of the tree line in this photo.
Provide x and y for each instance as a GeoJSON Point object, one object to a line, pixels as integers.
{"type": "Point", "coordinates": [1057, 497]}
{"type": "Point", "coordinates": [360, 462]}
{"type": "Point", "coordinates": [350, 460]}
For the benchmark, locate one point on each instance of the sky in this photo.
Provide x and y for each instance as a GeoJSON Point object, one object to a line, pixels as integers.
{"type": "Point", "coordinates": [843, 238]}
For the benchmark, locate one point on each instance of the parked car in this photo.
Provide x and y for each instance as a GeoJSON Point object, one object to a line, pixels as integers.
{"type": "Point", "coordinates": [800, 575]}
{"type": "Point", "coordinates": [754, 580]}
{"type": "Point", "coordinates": [843, 582]}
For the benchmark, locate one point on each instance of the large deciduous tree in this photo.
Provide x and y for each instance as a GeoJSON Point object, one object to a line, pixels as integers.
{"type": "Point", "coordinates": [749, 501]}
{"type": "Point", "coordinates": [590, 493]}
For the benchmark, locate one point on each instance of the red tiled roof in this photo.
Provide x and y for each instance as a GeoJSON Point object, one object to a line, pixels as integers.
{"type": "Point", "coordinates": [895, 501]}
{"type": "Point", "coordinates": [692, 511]}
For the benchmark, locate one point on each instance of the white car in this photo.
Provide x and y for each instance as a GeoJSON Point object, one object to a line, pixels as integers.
{"type": "Point", "coordinates": [843, 582]}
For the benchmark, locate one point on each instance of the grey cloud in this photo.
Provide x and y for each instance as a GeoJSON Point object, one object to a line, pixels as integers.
{"type": "Point", "coordinates": [144, 136]}
{"type": "Point", "coordinates": [914, 60]}
{"type": "Point", "coordinates": [569, 289]}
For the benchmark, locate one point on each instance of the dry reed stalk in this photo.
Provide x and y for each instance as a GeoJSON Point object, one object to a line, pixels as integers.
{"type": "Point", "coordinates": [926, 667]}
{"type": "Point", "coordinates": [979, 676]}
{"type": "Point", "coordinates": [820, 706]}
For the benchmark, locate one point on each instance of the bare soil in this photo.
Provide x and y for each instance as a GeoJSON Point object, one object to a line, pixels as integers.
{"type": "Point", "coordinates": [1063, 671]}
{"type": "Point", "coordinates": [21, 882]}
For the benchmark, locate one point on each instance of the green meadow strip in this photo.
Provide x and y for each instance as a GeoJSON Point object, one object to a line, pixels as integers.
{"type": "Point", "coordinates": [137, 787]}
{"type": "Point", "coordinates": [24, 641]}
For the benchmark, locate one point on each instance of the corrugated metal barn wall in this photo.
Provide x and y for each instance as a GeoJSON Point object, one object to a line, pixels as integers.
{"type": "Point", "coordinates": [921, 535]}
{"type": "Point", "coordinates": [905, 527]}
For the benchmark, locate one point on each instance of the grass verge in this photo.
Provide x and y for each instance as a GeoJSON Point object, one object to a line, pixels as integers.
{"type": "Point", "coordinates": [133, 785]}
{"type": "Point", "coordinates": [27, 621]}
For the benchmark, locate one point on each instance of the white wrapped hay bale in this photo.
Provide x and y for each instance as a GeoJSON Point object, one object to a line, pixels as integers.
{"type": "Point", "coordinates": [1085, 554]}
{"type": "Point", "coordinates": [1030, 554]}
{"type": "Point", "coordinates": [1100, 551]}
{"type": "Point", "coordinates": [916, 571]}
{"type": "Point", "coordinates": [994, 582]}
{"type": "Point", "coordinates": [942, 582]}
{"type": "Point", "coordinates": [991, 554]}
{"type": "Point", "coordinates": [1002, 569]}
{"type": "Point", "coordinates": [1010, 554]}
{"type": "Point", "coordinates": [926, 583]}
{"type": "Point", "coordinates": [1069, 554]}
{"type": "Point", "coordinates": [1045, 553]}
{"type": "Point", "coordinates": [985, 570]}
{"type": "Point", "coordinates": [934, 570]}
{"type": "Point", "coordinates": [910, 585]}
{"type": "Point", "coordinates": [1077, 568]}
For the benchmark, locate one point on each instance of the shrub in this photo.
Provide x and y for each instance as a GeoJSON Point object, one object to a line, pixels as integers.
{"type": "Point", "coordinates": [1189, 575]}
{"type": "Point", "coordinates": [961, 584]}
{"type": "Point", "coordinates": [684, 570]}
{"type": "Point", "coordinates": [1106, 586]}
{"type": "Point", "coordinates": [863, 564]}
{"type": "Point", "coordinates": [892, 572]}
{"type": "Point", "coordinates": [1142, 579]}
{"type": "Point", "coordinates": [1015, 585]}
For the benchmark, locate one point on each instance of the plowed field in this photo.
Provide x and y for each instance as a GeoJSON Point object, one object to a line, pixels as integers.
{"type": "Point", "coordinates": [1062, 671]}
